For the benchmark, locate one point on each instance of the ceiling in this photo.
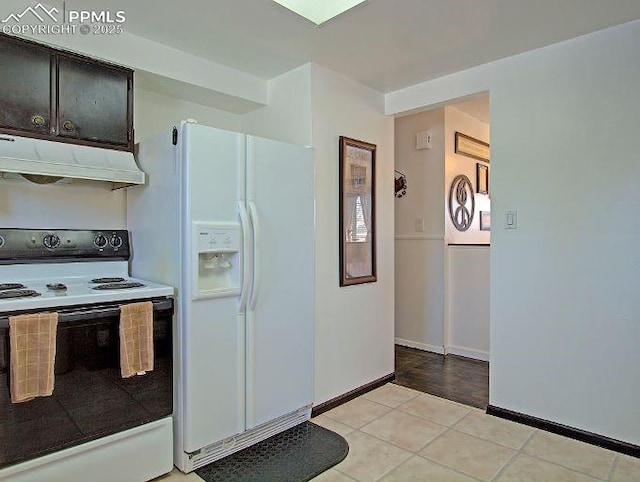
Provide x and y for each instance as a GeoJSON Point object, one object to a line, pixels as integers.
{"type": "Point", "coordinates": [386, 44]}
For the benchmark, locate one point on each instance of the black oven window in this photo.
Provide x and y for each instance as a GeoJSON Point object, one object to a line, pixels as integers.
{"type": "Point", "coordinates": [90, 399]}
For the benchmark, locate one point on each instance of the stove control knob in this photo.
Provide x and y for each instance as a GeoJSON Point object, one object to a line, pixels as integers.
{"type": "Point", "coordinates": [1, 241]}
{"type": "Point", "coordinates": [115, 241]}
{"type": "Point", "coordinates": [51, 241]}
{"type": "Point", "coordinates": [100, 241]}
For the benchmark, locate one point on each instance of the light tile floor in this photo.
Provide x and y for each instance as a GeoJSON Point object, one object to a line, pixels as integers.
{"type": "Point", "coordinates": [396, 434]}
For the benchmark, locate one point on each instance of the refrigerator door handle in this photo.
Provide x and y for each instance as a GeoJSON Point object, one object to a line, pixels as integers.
{"type": "Point", "coordinates": [256, 255]}
{"type": "Point", "coordinates": [246, 269]}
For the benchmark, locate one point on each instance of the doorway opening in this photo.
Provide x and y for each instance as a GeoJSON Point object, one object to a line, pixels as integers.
{"type": "Point", "coordinates": [442, 247]}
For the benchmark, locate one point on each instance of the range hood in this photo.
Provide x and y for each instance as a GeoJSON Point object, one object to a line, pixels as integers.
{"type": "Point", "coordinates": [38, 157]}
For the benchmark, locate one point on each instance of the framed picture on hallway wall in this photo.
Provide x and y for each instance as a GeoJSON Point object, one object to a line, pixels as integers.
{"type": "Point", "coordinates": [472, 147]}
{"type": "Point", "coordinates": [357, 212]}
{"type": "Point", "coordinates": [482, 179]}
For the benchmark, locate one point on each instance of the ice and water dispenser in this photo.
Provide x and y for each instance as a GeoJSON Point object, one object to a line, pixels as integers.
{"type": "Point", "coordinates": [217, 252]}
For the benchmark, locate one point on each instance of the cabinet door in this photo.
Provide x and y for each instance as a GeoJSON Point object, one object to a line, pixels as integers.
{"type": "Point", "coordinates": [25, 86]}
{"type": "Point", "coordinates": [93, 102]}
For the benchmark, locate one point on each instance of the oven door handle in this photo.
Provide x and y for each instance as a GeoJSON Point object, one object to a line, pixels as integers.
{"type": "Point", "coordinates": [92, 313]}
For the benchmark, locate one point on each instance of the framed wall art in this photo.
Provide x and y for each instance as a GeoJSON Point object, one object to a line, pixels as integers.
{"type": "Point", "coordinates": [482, 179]}
{"type": "Point", "coordinates": [357, 212]}
{"type": "Point", "coordinates": [472, 147]}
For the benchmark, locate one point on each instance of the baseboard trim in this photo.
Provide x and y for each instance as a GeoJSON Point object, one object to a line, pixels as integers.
{"type": "Point", "coordinates": [420, 346]}
{"type": "Point", "coordinates": [355, 393]}
{"type": "Point", "coordinates": [566, 431]}
{"type": "Point", "coordinates": [467, 352]}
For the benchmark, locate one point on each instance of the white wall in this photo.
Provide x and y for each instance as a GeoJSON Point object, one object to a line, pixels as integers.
{"type": "Point", "coordinates": [565, 304]}
{"type": "Point", "coordinates": [419, 255]}
{"type": "Point", "coordinates": [466, 268]}
{"type": "Point", "coordinates": [354, 324]}
{"type": "Point", "coordinates": [64, 205]}
{"type": "Point", "coordinates": [155, 113]}
{"type": "Point", "coordinates": [457, 121]}
{"type": "Point", "coordinates": [468, 301]}
{"type": "Point", "coordinates": [287, 117]}
{"type": "Point", "coordinates": [425, 174]}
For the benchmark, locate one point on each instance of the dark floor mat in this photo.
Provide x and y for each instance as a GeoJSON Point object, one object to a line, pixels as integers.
{"type": "Point", "coordinates": [295, 455]}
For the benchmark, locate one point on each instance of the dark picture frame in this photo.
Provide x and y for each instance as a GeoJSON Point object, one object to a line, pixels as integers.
{"type": "Point", "coordinates": [357, 212]}
{"type": "Point", "coordinates": [472, 147]}
{"type": "Point", "coordinates": [482, 179]}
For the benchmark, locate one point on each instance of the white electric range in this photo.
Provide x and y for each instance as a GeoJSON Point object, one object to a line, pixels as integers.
{"type": "Point", "coordinates": [95, 421]}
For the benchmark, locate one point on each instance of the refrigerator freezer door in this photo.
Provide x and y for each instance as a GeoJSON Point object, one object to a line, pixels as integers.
{"type": "Point", "coordinates": [280, 189]}
{"type": "Point", "coordinates": [213, 333]}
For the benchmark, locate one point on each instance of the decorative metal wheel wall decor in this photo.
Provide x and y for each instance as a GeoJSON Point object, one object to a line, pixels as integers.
{"type": "Point", "coordinates": [462, 204]}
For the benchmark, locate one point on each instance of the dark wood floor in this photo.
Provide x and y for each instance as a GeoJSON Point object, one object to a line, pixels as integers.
{"type": "Point", "coordinates": [456, 378]}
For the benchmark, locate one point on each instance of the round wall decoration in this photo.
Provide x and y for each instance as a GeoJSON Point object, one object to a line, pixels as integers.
{"type": "Point", "coordinates": [461, 202]}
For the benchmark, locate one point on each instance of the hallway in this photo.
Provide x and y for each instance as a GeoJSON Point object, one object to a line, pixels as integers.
{"type": "Point", "coordinates": [453, 377]}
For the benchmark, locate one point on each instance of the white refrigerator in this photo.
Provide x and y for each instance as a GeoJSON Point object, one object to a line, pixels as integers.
{"type": "Point", "coordinates": [229, 220]}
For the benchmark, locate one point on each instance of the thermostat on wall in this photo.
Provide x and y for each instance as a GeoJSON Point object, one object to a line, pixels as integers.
{"type": "Point", "coordinates": [424, 140]}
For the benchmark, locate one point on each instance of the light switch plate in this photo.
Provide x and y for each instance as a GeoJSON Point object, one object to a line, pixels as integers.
{"type": "Point", "coordinates": [510, 219]}
{"type": "Point", "coordinates": [424, 140]}
{"type": "Point", "coordinates": [419, 225]}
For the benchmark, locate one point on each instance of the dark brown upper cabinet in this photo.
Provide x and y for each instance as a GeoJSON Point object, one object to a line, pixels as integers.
{"type": "Point", "coordinates": [60, 96]}
{"type": "Point", "coordinates": [25, 86]}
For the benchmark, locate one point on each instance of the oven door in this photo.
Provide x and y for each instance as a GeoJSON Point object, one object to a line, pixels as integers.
{"type": "Point", "coordinates": [90, 398]}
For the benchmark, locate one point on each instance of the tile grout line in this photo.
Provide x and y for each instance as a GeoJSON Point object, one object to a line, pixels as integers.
{"type": "Point", "coordinates": [492, 441]}
{"type": "Point", "coordinates": [514, 456]}
{"type": "Point", "coordinates": [369, 421]}
{"type": "Point", "coordinates": [342, 473]}
{"type": "Point", "coordinates": [411, 453]}
{"type": "Point", "coordinates": [414, 452]}
{"type": "Point", "coordinates": [614, 466]}
{"type": "Point", "coordinates": [440, 464]}
{"type": "Point", "coordinates": [557, 464]}
{"type": "Point", "coordinates": [357, 429]}
{"type": "Point", "coordinates": [469, 410]}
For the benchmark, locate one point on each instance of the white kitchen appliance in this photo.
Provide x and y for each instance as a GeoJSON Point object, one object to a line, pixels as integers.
{"type": "Point", "coordinates": [95, 422]}
{"type": "Point", "coordinates": [229, 219]}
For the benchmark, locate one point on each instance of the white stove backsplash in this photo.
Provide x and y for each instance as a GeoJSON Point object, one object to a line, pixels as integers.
{"type": "Point", "coordinates": [75, 205]}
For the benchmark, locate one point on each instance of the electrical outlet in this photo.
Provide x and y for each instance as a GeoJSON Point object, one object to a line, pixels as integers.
{"type": "Point", "coordinates": [424, 140]}
{"type": "Point", "coordinates": [419, 225]}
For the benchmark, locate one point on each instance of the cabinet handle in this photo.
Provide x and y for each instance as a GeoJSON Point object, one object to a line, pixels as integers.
{"type": "Point", "coordinates": [38, 120]}
{"type": "Point", "coordinates": [68, 125]}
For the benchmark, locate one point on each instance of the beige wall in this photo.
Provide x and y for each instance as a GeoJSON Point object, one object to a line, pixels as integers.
{"type": "Point", "coordinates": [419, 255]}
{"type": "Point", "coordinates": [565, 301]}
{"type": "Point", "coordinates": [155, 113]}
{"type": "Point", "coordinates": [354, 324]}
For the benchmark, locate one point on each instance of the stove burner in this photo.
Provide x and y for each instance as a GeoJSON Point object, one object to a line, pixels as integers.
{"type": "Point", "coordinates": [57, 286]}
{"type": "Point", "coordinates": [11, 286]}
{"type": "Point", "coordinates": [118, 286]}
{"type": "Point", "coordinates": [107, 280]}
{"type": "Point", "coordinates": [18, 294]}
